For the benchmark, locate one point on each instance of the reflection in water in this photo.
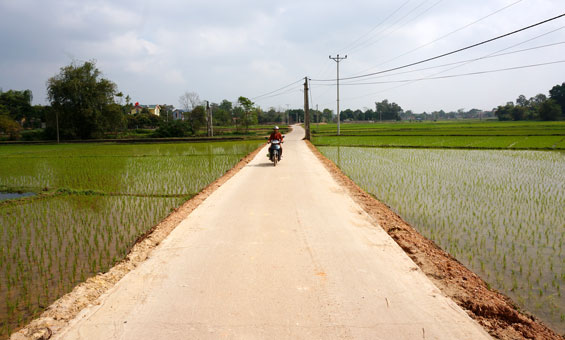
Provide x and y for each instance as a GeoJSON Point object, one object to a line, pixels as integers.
{"type": "Point", "coordinates": [14, 195]}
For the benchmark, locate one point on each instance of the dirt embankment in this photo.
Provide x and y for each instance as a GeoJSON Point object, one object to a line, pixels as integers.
{"type": "Point", "coordinates": [491, 309]}
{"type": "Point", "coordinates": [62, 311]}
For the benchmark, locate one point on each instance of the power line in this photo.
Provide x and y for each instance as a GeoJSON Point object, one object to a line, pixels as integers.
{"type": "Point", "coordinates": [468, 61]}
{"type": "Point", "coordinates": [412, 19]}
{"type": "Point", "coordinates": [459, 75]}
{"type": "Point", "coordinates": [352, 45]}
{"type": "Point", "coordinates": [465, 63]}
{"type": "Point", "coordinates": [277, 94]}
{"type": "Point", "coordinates": [277, 90]}
{"type": "Point", "coordinates": [326, 68]}
{"type": "Point", "coordinates": [452, 76]}
{"type": "Point", "coordinates": [452, 52]}
{"type": "Point", "coordinates": [444, 36]}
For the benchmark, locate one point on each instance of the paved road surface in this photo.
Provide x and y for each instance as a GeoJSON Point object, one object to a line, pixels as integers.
{"type": "Point", "coordinates": [277, 253]}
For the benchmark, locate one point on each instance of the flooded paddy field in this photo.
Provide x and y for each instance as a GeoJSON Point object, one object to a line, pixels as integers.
{"type": "Point", "coordinates": [84, 207]}
{"type": "Point", "coordinates": [500, 213]}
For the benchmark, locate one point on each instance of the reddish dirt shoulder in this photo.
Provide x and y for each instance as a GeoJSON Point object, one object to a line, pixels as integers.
{"type": "Point", "coordinates": [491, 309]}
{"type": "Point", "coordinates": [62, 311]}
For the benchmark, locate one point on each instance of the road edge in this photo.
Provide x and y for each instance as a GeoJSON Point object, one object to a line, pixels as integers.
{"type": "Point", "coordinates": [63, 310]}
{"type": "Point", "coordinates": [495, 312]}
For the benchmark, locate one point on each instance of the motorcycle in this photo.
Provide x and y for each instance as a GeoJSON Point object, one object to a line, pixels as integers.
{"type": "Point", "coordinates": [275, 151]}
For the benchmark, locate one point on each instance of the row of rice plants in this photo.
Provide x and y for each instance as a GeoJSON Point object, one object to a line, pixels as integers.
{"type": "Point", "coordinates": [478, 142]}
{"type": "Point", "coordinates": [99, 200]}
{"type": "Point", "coordinates": [445, 128]}
{"type": "Point", "coordinates": [174, 169]}
{"type": "Point", "coordinates": [501, 213]}
{"type": "Point", "coordinates": [48, 246]}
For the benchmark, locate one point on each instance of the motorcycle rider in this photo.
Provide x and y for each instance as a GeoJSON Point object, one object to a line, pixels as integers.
{"type": "Point", "coordinates": [276, 135]}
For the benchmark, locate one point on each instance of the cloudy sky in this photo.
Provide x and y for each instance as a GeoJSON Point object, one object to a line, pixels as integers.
{"type": "Point", "coordinates": [157, 50]}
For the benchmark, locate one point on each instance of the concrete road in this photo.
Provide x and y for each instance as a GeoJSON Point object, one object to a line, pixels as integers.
{"type": "Point", "coordinates": [277, 253]}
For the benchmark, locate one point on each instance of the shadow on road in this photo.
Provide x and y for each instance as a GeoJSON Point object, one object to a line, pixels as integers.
{"type": "Point", "coordinates": [262, 165]}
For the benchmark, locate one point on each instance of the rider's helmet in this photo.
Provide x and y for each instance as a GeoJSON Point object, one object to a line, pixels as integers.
{"type": "Point", "coordinates": [276, 127]}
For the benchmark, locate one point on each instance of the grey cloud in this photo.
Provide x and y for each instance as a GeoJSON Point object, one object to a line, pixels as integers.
{"type": "Point", "coordinates": [155, 50]}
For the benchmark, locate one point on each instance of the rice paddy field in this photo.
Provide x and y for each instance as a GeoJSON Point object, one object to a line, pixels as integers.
{"type": "Point", "coordinates": [83, 207]}
{"type": "Point", "coordinates": [499, 212]}
{"type": "Point", "coordinates": [464, 135]}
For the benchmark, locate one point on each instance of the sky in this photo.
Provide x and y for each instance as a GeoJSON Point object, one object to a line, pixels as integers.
{"type": "Point", "coordinates": [157, 50]}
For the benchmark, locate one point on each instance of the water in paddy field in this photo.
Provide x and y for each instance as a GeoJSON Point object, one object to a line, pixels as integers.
{"type": "Point", "coordinates": [14, 195]}
{"type": "Point", "coordinates": [111, 194]}
{"type": "Point", "coordinates": [498, 212]}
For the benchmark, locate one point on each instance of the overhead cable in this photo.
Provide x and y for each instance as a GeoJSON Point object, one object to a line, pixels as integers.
{"type": "Point", "coordinates": [410, 20]}
{"type": "Point", "coordinates": [277, 90]}
{"type": "Point", "coordinates": [488, 56]}
{"type": "Point", "coordinates": [352, 45]}
{"type": "Point", "coordinates": [450, 53]}
{"type": "Point", "coordinates": [458, 75]}
{"type": "Point", "coordinates": [444, 36]}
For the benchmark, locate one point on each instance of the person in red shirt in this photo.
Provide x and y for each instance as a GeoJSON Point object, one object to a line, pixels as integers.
{"type": "Point", "coordinates": [276, 135]}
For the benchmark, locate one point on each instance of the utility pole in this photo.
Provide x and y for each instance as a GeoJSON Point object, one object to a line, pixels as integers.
{"type": "Point", "coordinates": [306, 110]}
{"type": "Point", "coordinates": [209, 120]}
{"type": "Point", "coordinates": [287, 115]}
{"type": "Point", "coordinates": [337, 60]}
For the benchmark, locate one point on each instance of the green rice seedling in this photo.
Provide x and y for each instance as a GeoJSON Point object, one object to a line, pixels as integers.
{"type": "Point", "coordinates": [100, 199]}
{"type": "Point", "coordinates": [498, 212]}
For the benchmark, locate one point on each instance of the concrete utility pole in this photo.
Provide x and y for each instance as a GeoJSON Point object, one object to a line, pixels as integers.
{"type": "Point", "coordinates": [209, 120]}
{"type": "Point", "coordinates": [337, 59]}
{"type": "Point", "coordinates": [306, 110]}
{"type": "Point", "coordinates": [287, 115]}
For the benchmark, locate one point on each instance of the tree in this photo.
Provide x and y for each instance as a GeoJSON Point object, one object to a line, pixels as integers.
{"type": "Point", "coordinates": [504, 112]}
{"type": "Point", "coordinates": [518, 112]}
{"type": "Point", "coordinates": [327, 115]}
{"type": "Point", "coordinates": [238, 114]}
{"type": "Point", "coordinates": [189, 100]}
{"type": "Point", "coordinates": [296, 115]}
{"type": "Point", "coordinates": [346, 115]}
{"type": "Point", "coordinates": [114, 117]}
{"type": "Point", "coordinates": [166, 112]}
{"type": "Point", "coordinates": [196, 118]}
{"type": "Point", "coordinates": [557, 93]}
{"type": "Point", "coordinates": [222, 113]}
{"type": "Point", "coordinates": [173, 128]}
{"type": "Point", "coordinates": [549, 110]}
{"type": "Point", "coordinates": [221, 117]}
{"type": "Point", "coordinates": [249, 114]}
{"type": "Point", "coordinates": [143, 120]}
{"type": "Point", "coordinates": [10, 127]}
{"type": "Point", "coordinates": [17, 104]}
{"type": "Point", "coordinates": [82, 100]}
{"type": "Point", "coordinates": [522, 101]}
{"type": "Point", "coordinates": [388, 111]}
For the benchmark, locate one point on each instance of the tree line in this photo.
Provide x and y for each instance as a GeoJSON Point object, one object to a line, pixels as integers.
{"type": "Point", "coordinates": [85, 105]}
{"type": "Point", "coordinates": [539, 107]}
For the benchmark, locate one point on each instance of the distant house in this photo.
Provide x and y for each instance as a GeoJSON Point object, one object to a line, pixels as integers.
{"type": "Point", "coordinates": [153, 109]}
{"type": "Point", "coordinates": [178, 114]}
